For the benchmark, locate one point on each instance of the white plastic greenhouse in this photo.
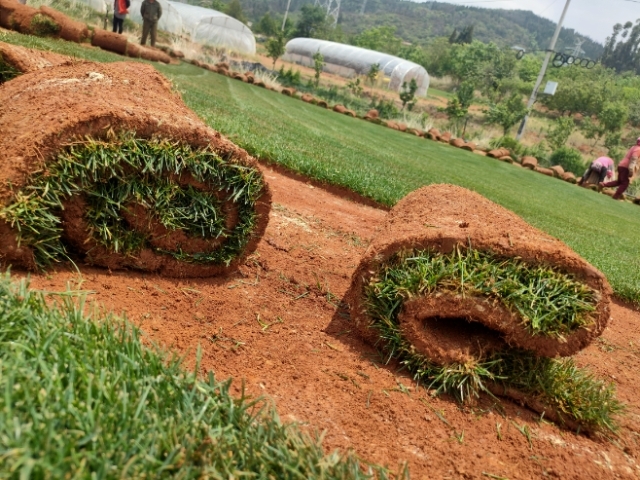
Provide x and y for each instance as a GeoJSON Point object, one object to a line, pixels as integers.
{"type": "Point", "coordinates": [348, 61]}
{"type": "Point", "coordinates": [200, 24]}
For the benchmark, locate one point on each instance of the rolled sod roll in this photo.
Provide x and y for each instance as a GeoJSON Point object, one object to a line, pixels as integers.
{"type": "Point", "coordinates": [110, 41]}
{"type": "Point", "coordinates": [439, 231]}
{"type": "Point", "coordinates": [468, 297]}
{"type": "Point", "coordinates": [103, 163]}
{"type": "Point", "coordinates": [530, 162]}
{"type": "Point", "coordinates": [70, 29]}
{"type": "Point", "coordinates": [558, 171]}
{"type": "Point", "coordinates": [456, 142]}
{"type": "Point", "coordinates": [16, 60]}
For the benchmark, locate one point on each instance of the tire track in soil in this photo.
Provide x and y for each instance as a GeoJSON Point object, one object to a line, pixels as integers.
{"type": "Point", "coordinates": [275, 324]}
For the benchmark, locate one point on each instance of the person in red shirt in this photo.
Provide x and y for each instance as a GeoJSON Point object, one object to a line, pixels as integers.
{"type": "Point", "coordinates": [626, 170]}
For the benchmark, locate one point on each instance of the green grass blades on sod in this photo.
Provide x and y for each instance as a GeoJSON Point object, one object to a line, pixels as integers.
{"type": "Point", "coordinates": [111, 175]}
{"type": "Point", "coordinates": [530, 290]}
{"type": "Point", "coordinates": [7, 72]}
{"type": "Point", "coordinates": [81, 398]}
{"type": "Point", "coordinates": [548, 301]}
{"type": "Point", "coordinates": [385, 165]}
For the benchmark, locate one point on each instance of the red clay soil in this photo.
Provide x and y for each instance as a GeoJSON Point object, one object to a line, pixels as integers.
{"type": "Point", "coordinates": [275, 326]}
{"type": "Point", "coordinates": [28, 60]}
{"type": "Point", "coordinates": [444, 217]}
{"type": "Point", "coordinates": [42, 111]}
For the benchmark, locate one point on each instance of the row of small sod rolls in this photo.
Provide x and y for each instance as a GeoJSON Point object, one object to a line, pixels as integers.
{"type": "Point", "coordinates": [104, 164]}
{"type": "Point", "coordinates": [471, 299]}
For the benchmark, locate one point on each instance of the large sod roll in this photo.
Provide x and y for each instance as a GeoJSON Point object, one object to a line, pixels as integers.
{"type": "Point", "coordinates": [103, 162]}
{"type": "Point", "coordinates": [471, 298]}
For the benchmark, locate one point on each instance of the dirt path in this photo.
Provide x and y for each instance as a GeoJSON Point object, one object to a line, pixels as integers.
{"type": "Point", "coordinates": [276, 326]}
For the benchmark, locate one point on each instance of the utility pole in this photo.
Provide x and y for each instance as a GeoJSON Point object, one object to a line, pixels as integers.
{"type": "Point", "coordinates": [543, 70]}
{"type": "Point", "coordinates": [284, 21]}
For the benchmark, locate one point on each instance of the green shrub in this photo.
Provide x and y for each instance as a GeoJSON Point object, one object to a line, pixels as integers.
{"type": "Point", "coordinates": [568, 158]}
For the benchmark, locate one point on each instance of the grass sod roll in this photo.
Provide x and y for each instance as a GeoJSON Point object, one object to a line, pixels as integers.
{"type": "Point", "coordinates": [84, 399]}
{"type": "Point", "coordinates": [113, 169]}
{"type": "Point", "coordinates": [470, 298]}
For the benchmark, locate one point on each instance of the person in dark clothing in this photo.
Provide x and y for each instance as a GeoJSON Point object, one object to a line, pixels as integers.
{"type": "Point", "coordinates": [151, 12]}
{"type": "Point", "coordinates": [119, 14]}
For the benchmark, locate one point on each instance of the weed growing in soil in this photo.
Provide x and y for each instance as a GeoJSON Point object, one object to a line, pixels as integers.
{"type": "Point", "coordinates": [558, 384]}
{"type": "Point", "coordinates": [83, 398]}
{"type": "Point", "coordinates": [114, 175]}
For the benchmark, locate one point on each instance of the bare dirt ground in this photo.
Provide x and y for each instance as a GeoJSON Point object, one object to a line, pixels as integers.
{"type": "Point", "coordinates": [276, 325]}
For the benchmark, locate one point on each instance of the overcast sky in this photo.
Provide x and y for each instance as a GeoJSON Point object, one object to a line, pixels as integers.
{"type": "Point", "coordinates": [594, 18]}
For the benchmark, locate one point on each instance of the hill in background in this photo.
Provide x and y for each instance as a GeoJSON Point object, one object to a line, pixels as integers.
{"type": "Point", "coordinates": [420, 22]}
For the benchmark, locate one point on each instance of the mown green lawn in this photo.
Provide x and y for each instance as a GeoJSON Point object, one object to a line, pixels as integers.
{"type": "Point", "coordinates": [385, 165]}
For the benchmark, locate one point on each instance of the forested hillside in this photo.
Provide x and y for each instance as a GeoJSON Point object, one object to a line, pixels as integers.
{"type": "Point", "coordinates": [419, 22]}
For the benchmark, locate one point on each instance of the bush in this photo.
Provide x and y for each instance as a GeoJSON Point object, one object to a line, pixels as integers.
{"type": "Point", "coordinates": [386, 108]}
{"type": "Point", "coordinates": [568, 158]}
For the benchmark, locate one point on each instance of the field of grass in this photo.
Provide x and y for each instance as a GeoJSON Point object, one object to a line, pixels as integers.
{"type": "Point", "coordinates": [385, 165]}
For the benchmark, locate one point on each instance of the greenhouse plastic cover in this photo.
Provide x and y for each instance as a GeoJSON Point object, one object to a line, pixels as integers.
{"type": "Point", "coordinates": [200, 24]}
{"type": "Point", "coordinates": [348, 60]}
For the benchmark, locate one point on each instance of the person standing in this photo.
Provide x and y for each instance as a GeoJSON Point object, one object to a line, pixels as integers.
{"type": "Point", "coordinates": [151, 12]}
{"type": "Point", "coordinates": [626, 170]}
{"type": "Point", "coordinates": [119, 14]}
{"type": "Point", "coordinates": [603, 167]}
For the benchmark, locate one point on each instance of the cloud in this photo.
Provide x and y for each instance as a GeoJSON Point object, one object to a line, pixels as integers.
{"type": "Point", "coordinates": [592, 18]}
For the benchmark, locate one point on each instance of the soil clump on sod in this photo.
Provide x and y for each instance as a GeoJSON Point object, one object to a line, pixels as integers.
{"type": "Point", "coordinates": [277, 324]}
{"type": "Point", "coordinates": [103, 162]}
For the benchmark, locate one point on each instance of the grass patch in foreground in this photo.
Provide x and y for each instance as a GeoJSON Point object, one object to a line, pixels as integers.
{"type": "Point", "coordinates": [81, 398]}
{"type": "Point", "coordinates": [558, 384]}
{"type": "Point", "coordinates": [112, 175]}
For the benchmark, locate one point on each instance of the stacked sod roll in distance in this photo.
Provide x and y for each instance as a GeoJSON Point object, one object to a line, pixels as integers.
{"type": "Point", "coordinates": [104, 162]}
{"type": "Point", "coordinates": [444, 220]}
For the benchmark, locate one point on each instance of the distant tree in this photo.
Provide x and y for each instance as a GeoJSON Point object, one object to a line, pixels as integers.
{"type": "Point", "coordinates": [381, 39]}
{"type": "Point", "coordinates": [507, 113]}
{"type": "Point", "coordinates": [234, 9]}
{"type": "Point", "coordinates": [466, 35]}
{"type": "Point", "coordinates": [454, 36]}
{"type": "Point", "coordinates": [372, 74]}
{"type": "Point", "coordinates": [213, 5]}
{"type": "Point", "coordinates": [267, 25]}
{"type": "Point", "coordinates": [312, 22]}
{"type": "Point", "coordinates": [528, 68]}
{"type": "Point", "coordinates": [623, 54]}
{"type": "Point", "coordinates": [408, 94]}
{"type": "Point", "coordinates": [318, 65]}
{"type": "Point", "coordinates": [275, 47]}
{"type": "Point", "coordinates": [457, 108]}
{"type": "Point", "coordinates": [560, 132]}
{"type": "Point", "coordinates": [608, 124]}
